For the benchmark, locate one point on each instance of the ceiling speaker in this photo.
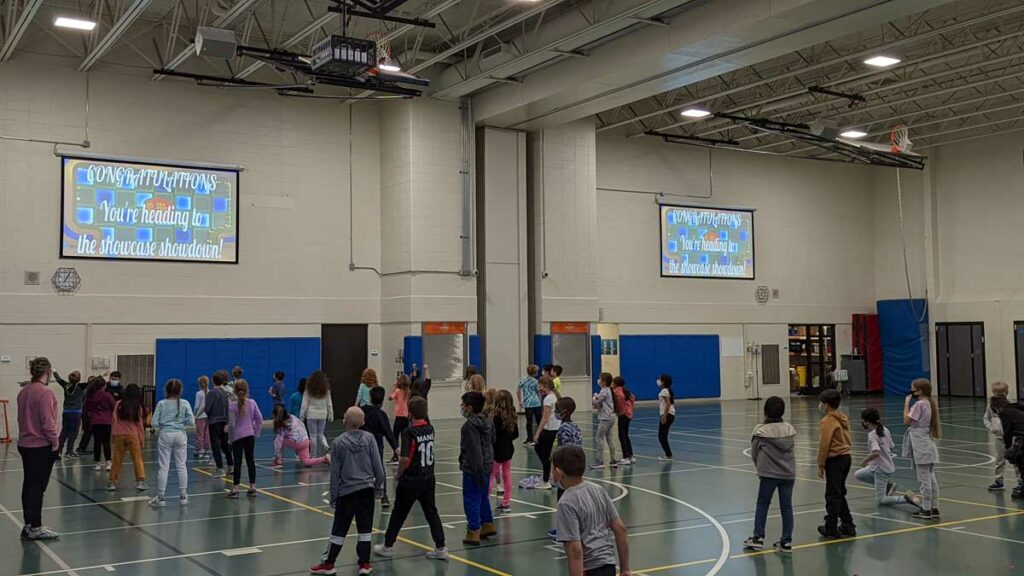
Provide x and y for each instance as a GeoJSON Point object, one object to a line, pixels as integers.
{"type": "Point", "coordinates": [215, 42]}
{"type": "Point", "coordinates": [825, 128]}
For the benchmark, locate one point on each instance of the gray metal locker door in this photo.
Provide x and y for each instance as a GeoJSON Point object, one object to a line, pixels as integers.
{"type": "Point", "coordinates": [1018, 331]}
{"type": "Point", "coordinates": [961, 364]}
{"type": "Point", "coordinates": [942, 360]}
{"type": "Point", "coordinates": [978, 355]}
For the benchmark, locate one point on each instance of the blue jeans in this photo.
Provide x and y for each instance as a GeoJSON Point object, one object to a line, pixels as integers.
{"type": "Point", "coordinates": [476, 501]}
{"type": "Point", "coordinates": [764, 500]}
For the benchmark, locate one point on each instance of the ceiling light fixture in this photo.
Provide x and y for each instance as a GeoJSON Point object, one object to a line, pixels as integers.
{"type": "Point", "coordinates": [388, 65]}
{"type": "Point", "coordinates": [853, 133]}
{"type": "Point", "coordinates": [74, 23]}
{"type": "Point", "coordinates": [696, 113]}
{"type": "Point", "coordinates": [882, 61]}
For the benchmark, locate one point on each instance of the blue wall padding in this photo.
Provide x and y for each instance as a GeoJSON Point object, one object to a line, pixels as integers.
{"type": "Point", "coordinates": [595, 362]}
{"type": "Point", "coordinates": [905, 354]}
{"type": "Point", "coordinates": [542, 349]}
{"type": "Point", "coordinates": [476, 358]}
{"type": "Point", "coordinates": [691, 360]}
{"type": "Point", "coordinates": [413, 353]}
{"type": "Point", "coordinates": [189, 358]}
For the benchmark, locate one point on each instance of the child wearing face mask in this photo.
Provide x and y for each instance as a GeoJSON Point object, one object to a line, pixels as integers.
{"type": "Point", "coordinates": [877, 468]}
{"type": "Point", "coordinates": [834, 462]}
{"type": "Point", "coordinates": [919, 445]}
{"type": "Point", "coordinates": [114, 387]}
{"type": "Point", "coordinates": [666, 414]}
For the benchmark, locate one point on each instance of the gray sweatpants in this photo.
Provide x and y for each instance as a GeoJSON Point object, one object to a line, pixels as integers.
{"type": "Point", "coordinates": [604, 436]}
{"type": "Point", "coordinates": [929, 486]}
{"type": "Point", "coordinates": [1001, 460]}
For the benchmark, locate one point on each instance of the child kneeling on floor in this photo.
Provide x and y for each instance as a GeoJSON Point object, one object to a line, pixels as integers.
{"type": "Point", "coordinates": [476, 458]}
{"type": "Point", "coordinates": [772, 449]}
{"type": "Point", "coordinates": [878, 466]}
{"type": "Point", "coordinates": [589, 526]}
{"type": "Point", "coordinates": [357, 477]}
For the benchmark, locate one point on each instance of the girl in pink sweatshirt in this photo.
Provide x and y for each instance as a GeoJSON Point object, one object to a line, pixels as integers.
{"type": "Point", "coordinates": [289, 432]}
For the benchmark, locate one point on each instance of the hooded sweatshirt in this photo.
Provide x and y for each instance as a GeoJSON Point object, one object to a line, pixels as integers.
{"type": "Point", "coordinates": [74, 393]}
{"type": "Point", "coordinates": [355, 464]}
{"type": "Point", "coordinates": [476, 455]}
{"type": "Point", "coordinates": [772, 449]}
{"type": "Point", "coordinates": [835, 437]}
{"type": "Point", "coordinates": [376, 422]}
{"type": "Point", "coordinates": [1012, 419]}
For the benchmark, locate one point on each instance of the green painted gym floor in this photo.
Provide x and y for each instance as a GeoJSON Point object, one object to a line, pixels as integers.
{"type": "Point", "coordinates": [687, 517]}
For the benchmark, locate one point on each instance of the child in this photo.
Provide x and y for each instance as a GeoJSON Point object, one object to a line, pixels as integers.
{"type": "Point", "coordinates": [476, 383]}
{"type": "Point", "coordinates": [604, 404]}
{"type": "Point", "coordinates": [490, 398]}
{"type": "Point", "coordinates": [877, 468]}
{"type": "Point", "coordinates": [476, 459]}
{"type": "Point", "coordinates": [100, 405]}
{"type": "Point", "coordinates": [994, 425]}
{"type": "Point", "coordinates": [367, 381]}
{"type": "Point", "coordinates": [129, 425]}
{"type": "Point", "coordinates": [589, 526]}
{"type": "Point", "coordinates": [666, 414]}
{"type": "Point", "coordinates": [919, 444]}
{"type": "Point", "coordinates": [357, 476]}
{"type": "Point", "coordinates": [236, 375]}
{"type": "Point", "coordinates": [215, 406]}
{"type": "Point", "coordinates": [506, 430]}
{"type": "Point", "coordinates": [1011, 416]}
{"type": "Point", "coordinates": [547, 431]}
{"type": "Point", "coordinates": [624, 402]}
{"type": "Point", "coordinates": [114, 387]}
{"type": "Point", "coordinates": [317, 410]}
{"type": "Point", "coordinates": [529, 401]}
{"type": "Point", "coordinates": [244, 425]}
{"type": "Point", "coordinates": [834, 462]}
{"type": "Point", "coordinates": [376, 423]}
{"type": "Point", "coordinates": [295, 400]}
{"type": "Point", "coordinates": [400, 396]}
{"type": "Point", "coordinates": [468, 373]}
{"type": "Point", "coordinates": [421, 383]}
{"type": "Point", "coordinates": [170, 418]}
{"type": "Point", "coordinates": [415, 483]}
{"type": "Point", "coordinates": [772, 450]}
{"type": "Point", "coordinates": [202, 420]}
{"type": "Point", "coordinates": [290, 433]}
{"type": "Point", "coordinates": [74, 398]}
{"type": "Point", "coordinates": [276, 390]}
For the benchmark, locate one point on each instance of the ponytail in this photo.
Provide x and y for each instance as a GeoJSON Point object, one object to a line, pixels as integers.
{"type": "Point", "coordinates": [871, 416]}
{"type": "Point", "coordinates": [242, 393]}
{"type": "Point", "coordinates": [925, 388]}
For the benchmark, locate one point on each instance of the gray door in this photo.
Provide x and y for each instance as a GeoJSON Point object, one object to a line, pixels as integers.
{"type": "Point", "coordinates": [961, 365]}
{"type": "Point", "coordinates": [1018, 341]}
{"type": "Point", "coordinates": [942, 356]}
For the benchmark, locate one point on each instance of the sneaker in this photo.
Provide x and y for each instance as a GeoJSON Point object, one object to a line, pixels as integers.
{"type": "Point", "coordinates": [753, 543]}
{"type": "Point", "coordinates": [323, 568]}
{"type": "Point", "coordinates": [98, 467]}
{"type": "Point", "coordinates": [157, 502]}
{"type": "Point", "coordinates": [784, 547]}
{"type": "Point", "coordinates": [39, 533]}
{"type": "Point", "coordinates": [394, 460]}
{"type": "Point", "coordinates": [252, 493]}
{"type": "Point", "coordinates": [365, 569]}
{"type": "Point", "coordinates": [72, 454]}
{"type": "Point", "coordinates": [923, 515]}
{"type": "Point", "coordinates": [111, 487]}
{"type": "Point", "coordinates": [597, 466]}
{"type": "Point", "coordinates": [632, 459]}
{"type": "Point", "coordinates": [996, 486]}
{"type": "Point", "coordinates": [141, 486]}
{"type": "Point", "coordinates": [437, 554]}
{"type": "Point", "coordinates": [553, 534]}
{"type": "Point", "coordinates": [543, 486]}
{"type": "Point", "coordinates": [664, 459]}
{"type": "Point", "coordinates": [382, 550]}
{"type": "Point", "coordinates": [230, 469]}
{"type": "Point", "coordinates": [219, 473]}
{"type": "Point", "coordinates": [499, 490]}
{"type": "Point", "coordinates": [914, 499]}
{"type": "Point", "coordinates": [615, 464]}
{"type": "Point", "coordinates": [277, 462]}
{"type": "Point", "coordinates": [935, 513]}
{"type": "Point", "coordinates": [826, 533]}
{"type": "Point", "coordinates": [183, 500]}
{"type": "Point", "coordinates": [625, 462]}
{"type": "Point", "coordinates": [1017, 494]}
{"type": "Point", "coordinates": [110, 465]}
{"type": "Point", "coordinates": [528, 443]}
{"type": "Point", "coordinates": [505, 509]}
{"type": "Point", "coordinates": [848, 530]}
{"type": "Point", "coordinates": [890, 488]}
{"type": "Point", "coordinates": [232, 495]}
{"type": "Point", "coordinates": [385, 503]}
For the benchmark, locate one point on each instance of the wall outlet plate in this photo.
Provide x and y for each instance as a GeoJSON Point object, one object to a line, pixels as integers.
{"type": "Point", "coordinates": [5, 359]}
{"type": "Point", "coordinates": [374, 352]}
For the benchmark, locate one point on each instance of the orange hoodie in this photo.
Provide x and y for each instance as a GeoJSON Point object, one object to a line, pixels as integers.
{"type": "Point", "coordinates": [835, 437]}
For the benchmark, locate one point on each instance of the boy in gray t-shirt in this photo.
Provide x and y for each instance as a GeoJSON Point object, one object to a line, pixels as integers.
{"type": "Point", "coordinates": [587, 523]}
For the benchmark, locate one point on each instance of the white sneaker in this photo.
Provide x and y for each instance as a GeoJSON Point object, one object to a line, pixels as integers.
{"type": "Point", "coordinates": [543, 486]}
{"type": "Point", "coordinates": [109, 465]}
{"type": "Point", "coordinates": [219, 473]}
{"type": "Point", "coordinates": [499, 490]}
{"type": "Point", "coordinates": [632, 459]}
{"type": "Point", "coordinates": [625, 462]}
{"type": "Point", "coordinates": [597, 466]}
{"type": "Point", "coordinates": [385, 551]}
{"type": "Point", "coordinates": [141, 486]}
{"type": "Point", "coordinates": [437, 554]}
{"type": "Point", "coordinates": [157, 502]}
{"type": "Point", "coordinates": [231, 469]}
{"type": "Point", "coordinates": [111, 487]}
{"type": "Point", "coordinates": [183, 500]}
{"type": "Point", "coordinates": [664, 459]}
{"type": "Point", "coordinates": [98, 467]}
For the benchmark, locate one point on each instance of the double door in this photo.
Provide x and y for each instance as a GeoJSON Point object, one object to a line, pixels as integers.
{"type": "Point", "coordinates": [960, 348]}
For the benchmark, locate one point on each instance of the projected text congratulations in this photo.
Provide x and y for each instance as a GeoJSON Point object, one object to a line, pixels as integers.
{"type": "Point", "coordinates": [707, 243]}
{"type": "Point", "coordinates": [120, 210]}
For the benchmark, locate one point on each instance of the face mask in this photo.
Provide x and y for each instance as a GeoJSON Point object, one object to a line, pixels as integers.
{"type": "Point", "coordinates": [865, 426]}
{"type": "Point", "coordinates": [115, 383]}
{"type": "Point", "coordinates": [821, 408]}
{"type": "Point", "coordinates": [659, 383]}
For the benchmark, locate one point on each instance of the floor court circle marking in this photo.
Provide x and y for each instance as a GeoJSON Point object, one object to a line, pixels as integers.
{"type": "Point", "coordinates": [722, 534]}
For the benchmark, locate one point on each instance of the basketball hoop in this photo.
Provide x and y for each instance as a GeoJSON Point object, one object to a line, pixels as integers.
{"type": "Point", "coordinates": [899, 139]}
{"type": "Point", "coordinates": [383, 47]}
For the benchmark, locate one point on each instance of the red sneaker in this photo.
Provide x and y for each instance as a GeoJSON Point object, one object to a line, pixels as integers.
{"type": "Point", "coordinates": [365, 569]}
{"type": "Point", "coordinates": [323, 568]}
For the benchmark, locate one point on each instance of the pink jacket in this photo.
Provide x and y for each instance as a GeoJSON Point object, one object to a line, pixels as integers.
{"type": "Point", "coordinates": [37, 417]}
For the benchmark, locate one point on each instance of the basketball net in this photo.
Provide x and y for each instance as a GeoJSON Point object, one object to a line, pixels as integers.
{"type": "Point", "coordinates": [383, 46]}
{"type": "Point", "coordinates": [899, 139]}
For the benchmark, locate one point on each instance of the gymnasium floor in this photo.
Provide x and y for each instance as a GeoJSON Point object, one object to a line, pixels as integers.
{"type": "Point", "coordinates": [687, 517]}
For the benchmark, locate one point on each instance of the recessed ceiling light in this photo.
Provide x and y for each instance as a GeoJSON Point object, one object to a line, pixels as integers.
{"type": "Point", "coordinates": [853, 134]}
{"type": "Point", "coordinates": [75, 23]}
{"type": "Point", "coordinates": [881, 61]}
{"type": "Point", "coordinates": [696, 113]}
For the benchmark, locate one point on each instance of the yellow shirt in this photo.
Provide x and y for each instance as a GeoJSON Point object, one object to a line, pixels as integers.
{"type": "Point", "coordinates": [558, 385]}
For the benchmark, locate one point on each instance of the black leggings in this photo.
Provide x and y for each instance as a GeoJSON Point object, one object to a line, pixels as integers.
{"type": "Point", "coordinates": [408, 493]}
{"type": "Point", "coordinates": [37, 464]}
{"type": "Point", "coordinates": [357, 506]}
{"type": "Point", "coordinates": [220, 445]}
{"type": "Point", "coordinates": [245, 446]}
{"type": "Point", "coordinates": [83, 444]}
{"type": "Point", "coordinates": [545, 444]}
{"type": "Point", "coordinates": [533, 416]}
{"type": "Point", "coordinates": [401, 423]}
{"type": "Point", "coordinates": [624, 442]}
{"type": "Point", "coordinates": [101, 440]}
{"type": "Point", "coordinates": [663, 433]}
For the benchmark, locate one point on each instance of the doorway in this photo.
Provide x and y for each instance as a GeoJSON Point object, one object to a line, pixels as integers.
{"type": "Point", "coordinates": [1018, 348]}
{"type": "Point", "coordinates": [343, 349]}
{"type": "Point", "coordinates": [609, 348]}
{"type": "Point", "coordinates": [960, 347]}
{"type": "Point", "coordinates": [812, 357]}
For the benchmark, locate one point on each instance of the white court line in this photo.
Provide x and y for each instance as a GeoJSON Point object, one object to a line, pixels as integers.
{"type": "Point", "coordinates": [523, 502]}
{"type": "Point", "coordinates": [242, 552]}
{"type": "Point", "coordinates": [706, 525]}
{"type": "Point", "coordinates": [191, 520]}
{"type": "Point", "coordinates": [954, 529]}
{"type": "Point", "coordinates": [65, 568]}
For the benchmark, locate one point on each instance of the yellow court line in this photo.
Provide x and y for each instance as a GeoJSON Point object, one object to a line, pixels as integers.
{"type": "Point", "coordinates": [674, 566]}
{"type": "Point", "coordinates": [402, 539]}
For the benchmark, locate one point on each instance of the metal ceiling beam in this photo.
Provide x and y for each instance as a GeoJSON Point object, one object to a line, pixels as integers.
{"type": "Point", "coordinates": [813, 67]}
{"type": "Point", "coordinates": [292, 41]}
{"type": "Point", "coordinates": [122, 25]}
{"type": "Point", "coordinates": [18, 29]}
{"type": "Point", "coordinates": [230, 18]}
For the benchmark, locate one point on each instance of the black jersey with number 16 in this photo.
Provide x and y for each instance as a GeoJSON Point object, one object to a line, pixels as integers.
{"type": "Point", "coordinates": [418, 447]}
